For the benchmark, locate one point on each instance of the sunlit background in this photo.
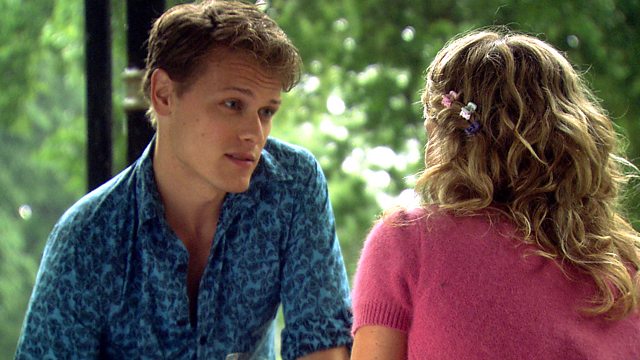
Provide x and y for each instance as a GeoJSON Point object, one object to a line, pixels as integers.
{"type": "Point", "coordinates": [357, 106]}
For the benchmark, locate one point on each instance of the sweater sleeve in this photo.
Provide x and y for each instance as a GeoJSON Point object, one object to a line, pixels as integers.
{"type": "Point", "coordinates": [386, 273]}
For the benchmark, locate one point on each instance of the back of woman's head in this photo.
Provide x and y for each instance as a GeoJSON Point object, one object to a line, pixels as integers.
{"type": "Point", "coordinates": [536, 145]}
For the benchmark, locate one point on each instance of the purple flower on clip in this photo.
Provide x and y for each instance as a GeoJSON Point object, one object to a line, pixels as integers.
{"type": "Point", "coordinates": [473, 128]}
{"type": "Point", "coordinates": [449, 98]}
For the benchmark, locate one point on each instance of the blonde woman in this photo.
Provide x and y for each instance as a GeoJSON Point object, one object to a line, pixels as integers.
{"type": "Point", "coordinates": [519, 250]}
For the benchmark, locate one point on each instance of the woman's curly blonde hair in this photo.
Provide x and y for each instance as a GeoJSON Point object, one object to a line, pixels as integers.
{"type": "Point", "coordinates": [545, 156]}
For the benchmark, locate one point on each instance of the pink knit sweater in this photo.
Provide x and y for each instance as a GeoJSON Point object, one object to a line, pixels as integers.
{"type": "Point", "coordinates": [464, 288]}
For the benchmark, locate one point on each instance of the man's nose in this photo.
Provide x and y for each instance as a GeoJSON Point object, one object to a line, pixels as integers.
{"type": "Point", "coordinates": [252, 128]}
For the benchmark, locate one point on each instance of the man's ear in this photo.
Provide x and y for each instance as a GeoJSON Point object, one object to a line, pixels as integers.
{"type": "Point", "coordinates": [161, 91]}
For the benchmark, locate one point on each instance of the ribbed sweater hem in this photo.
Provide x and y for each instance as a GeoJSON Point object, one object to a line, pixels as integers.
{"type": "Point", "coordinates": [377, 313]}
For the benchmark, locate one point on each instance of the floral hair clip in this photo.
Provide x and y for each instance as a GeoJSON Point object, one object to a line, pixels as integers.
{"type": "Point", "coordinates": [449, 98]}
{"type": "Point", "coordinates": [466, 112]}
{"type": "Point", "coordinates": [473, 128]}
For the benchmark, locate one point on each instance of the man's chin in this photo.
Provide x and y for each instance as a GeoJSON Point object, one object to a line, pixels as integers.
{"type": "Point", "coordinates": [240, 188]}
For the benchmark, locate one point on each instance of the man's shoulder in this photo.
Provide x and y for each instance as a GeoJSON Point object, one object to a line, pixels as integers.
{"type": "Point", "coordinates": [105, 207]}
{"type": "Point", "coordinates": [288, 161]}
{"type": "Point", "coordinates": [286, 152]}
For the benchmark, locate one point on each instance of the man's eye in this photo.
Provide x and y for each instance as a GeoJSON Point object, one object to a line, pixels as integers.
{"type": "Point", "coordinates": [232, 104]}
{"type": "Point", "coordinates": [267, 113]}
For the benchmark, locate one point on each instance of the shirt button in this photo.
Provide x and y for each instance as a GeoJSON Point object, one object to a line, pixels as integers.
{"type": "Point", "coordinates": [203, 340]}
{"type": "Point", "coordinates": [182, 322]}
{"type": "Point", "coordinates": [181, 268]}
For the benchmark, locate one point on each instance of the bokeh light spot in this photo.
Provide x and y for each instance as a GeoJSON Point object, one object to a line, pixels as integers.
{"type": "Point", "coordinates": [25, 212]}
{"type": "Point", "coordinates": [408, 33]}
{"type": "Point", "coordinates": [573, 41]}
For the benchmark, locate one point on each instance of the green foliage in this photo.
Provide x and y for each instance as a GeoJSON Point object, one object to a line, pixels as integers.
{"type": "Point", "coordinates": [357, 107]}
{"type": "Point", "coordinates": [19, 267]}
{"type": "Point", "coordinates": [41, 137]}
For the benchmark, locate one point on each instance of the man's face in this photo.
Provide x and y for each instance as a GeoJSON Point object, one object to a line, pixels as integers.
{"type": "Point", "coordinates": [214, 131]}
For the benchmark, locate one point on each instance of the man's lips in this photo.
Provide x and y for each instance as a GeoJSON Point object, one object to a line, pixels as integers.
{"type": "Point", "coordinates": [242, 157]}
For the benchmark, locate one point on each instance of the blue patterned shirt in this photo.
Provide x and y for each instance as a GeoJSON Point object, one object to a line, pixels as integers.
{"type": "Point", "coordinates": [112, 282]}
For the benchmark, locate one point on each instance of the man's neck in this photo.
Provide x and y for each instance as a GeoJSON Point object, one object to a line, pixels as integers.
{"type": "Point", "coordinates": [192, 208]}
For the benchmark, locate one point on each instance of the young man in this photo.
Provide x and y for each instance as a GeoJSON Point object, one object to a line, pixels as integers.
{"type": "Point", "coordinates": [188, 253]}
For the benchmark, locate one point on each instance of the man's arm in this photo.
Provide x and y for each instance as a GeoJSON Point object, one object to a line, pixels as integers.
{"type": "Point", "coordinates": [62, 321]}
{"type": "Point", "coordinates": [315, 289]}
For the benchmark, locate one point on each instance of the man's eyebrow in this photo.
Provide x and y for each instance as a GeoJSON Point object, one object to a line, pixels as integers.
{"type": "Point", "coordinates": [249, 93]}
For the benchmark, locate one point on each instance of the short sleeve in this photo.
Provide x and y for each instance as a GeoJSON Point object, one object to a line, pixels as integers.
{"type": "Point", "coordinates": [62, 320]}
{"type": "Point", "coordinates": [386, 274]}
{"type": "Point", "coordinates": [315, 291]}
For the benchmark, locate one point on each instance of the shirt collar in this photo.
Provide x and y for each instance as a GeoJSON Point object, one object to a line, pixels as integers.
{"type": "Point", "coordinates": [150, 205]}
{"type": "Point", "coordinates": [269, 168]}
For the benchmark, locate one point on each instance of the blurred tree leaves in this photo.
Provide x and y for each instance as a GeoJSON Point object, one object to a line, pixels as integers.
{"type": "Point", "coordinates": [41, 141]}
{"type": "Point", "coordinates": [357, 107]}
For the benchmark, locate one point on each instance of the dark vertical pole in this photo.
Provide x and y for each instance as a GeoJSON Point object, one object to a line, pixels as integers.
{"type": "Point", "coordinates": [98, 67]}
{"type": "Point", "coordinates": [140, 16]}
